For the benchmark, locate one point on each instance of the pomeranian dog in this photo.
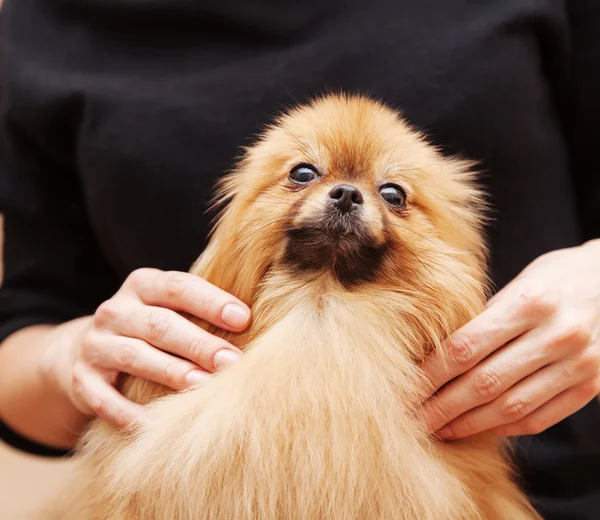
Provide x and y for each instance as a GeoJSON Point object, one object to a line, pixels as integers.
{"type": "Point", "coordinates": [359, 247]}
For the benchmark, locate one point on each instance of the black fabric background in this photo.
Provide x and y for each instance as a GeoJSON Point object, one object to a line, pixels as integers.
{"type": "Point", "coordinates": [117, 116]}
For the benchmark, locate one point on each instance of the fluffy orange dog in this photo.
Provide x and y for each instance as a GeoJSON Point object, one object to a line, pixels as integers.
{"type": "Point", "coordinates": [359, 248]}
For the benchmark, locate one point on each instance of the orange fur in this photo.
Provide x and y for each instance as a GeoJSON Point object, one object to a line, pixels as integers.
{"type": "Point", "coordinates": [321, 417]}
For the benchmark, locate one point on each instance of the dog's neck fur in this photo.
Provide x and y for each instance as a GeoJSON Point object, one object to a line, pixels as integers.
{"type": "Point", "coordinates": [415, 323]}
{"type": "Point", "coordinates": [347, 363]}
{"type": "Point", "coordinates": [348, 360]}
{"type": "Point", "coordinates": [325, 403]}
{"type": "Point", "coordinates": [386, 329]}
{"type": "Point", "coordinates": [320, 417]}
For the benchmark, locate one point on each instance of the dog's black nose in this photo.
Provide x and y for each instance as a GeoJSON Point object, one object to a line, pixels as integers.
{"type": "Point", "coordinates": [345, 198]}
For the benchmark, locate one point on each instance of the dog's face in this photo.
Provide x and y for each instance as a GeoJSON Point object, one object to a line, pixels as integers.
{"type": "Point", "coordinates": [344, 190]}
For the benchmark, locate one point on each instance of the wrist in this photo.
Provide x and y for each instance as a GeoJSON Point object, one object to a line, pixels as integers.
{"type": "Point", "coordinates": [59, 354]}
{"type": "Point", "coordinates": [35, 400]}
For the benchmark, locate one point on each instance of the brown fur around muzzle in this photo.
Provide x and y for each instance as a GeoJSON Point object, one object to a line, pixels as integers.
{"type": "Point", "coordinates": [350, 289]}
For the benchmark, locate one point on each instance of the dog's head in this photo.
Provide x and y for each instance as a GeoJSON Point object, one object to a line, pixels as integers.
{"type": "Point", "coordinates": [344, 194]}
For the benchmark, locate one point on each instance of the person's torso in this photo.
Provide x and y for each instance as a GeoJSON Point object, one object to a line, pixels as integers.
{"type": "Point", "coordinates": [164, 94]}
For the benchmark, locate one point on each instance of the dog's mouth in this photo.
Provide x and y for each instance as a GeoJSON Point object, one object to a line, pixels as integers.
{"type": "Point", "coordinates": [343, 225]}
{"type": "Point", "coordinates": [338, 243]}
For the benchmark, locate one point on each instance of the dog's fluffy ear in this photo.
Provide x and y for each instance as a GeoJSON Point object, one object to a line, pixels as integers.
{"type": "Point", "coordinates": [232, 261]}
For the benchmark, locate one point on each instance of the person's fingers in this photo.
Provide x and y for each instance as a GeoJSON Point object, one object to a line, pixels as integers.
{"type": "Point", "coordinates": [134, 356]}
{"type": "Point", "coordinates": [518, 402]}
{"type": "Point", "coordinates": [168, 331]}
{"type": "Point", "coordinates": [103, 400]}
{"type": "Point", "coordinates": [489, 379]}
{"type": "Point", "coordinates": [554, 411]}
{"type": "Point", "coordinates": [191, 294]}
{"type": "Point", "coordinates": [507, 319]}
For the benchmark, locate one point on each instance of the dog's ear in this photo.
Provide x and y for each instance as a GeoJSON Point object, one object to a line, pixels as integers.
{"type": "Point", "coordinates": [236, 257]}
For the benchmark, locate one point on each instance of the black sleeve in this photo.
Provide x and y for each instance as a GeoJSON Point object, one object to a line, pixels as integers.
{"type": "Point", "coordinates": [583, 121]}
{"type": "Point", "coordinates": [53, 268]}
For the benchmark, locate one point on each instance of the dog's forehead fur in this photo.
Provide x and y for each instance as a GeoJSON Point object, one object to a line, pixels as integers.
{"type": "Point", "coordinates": [352, 137]}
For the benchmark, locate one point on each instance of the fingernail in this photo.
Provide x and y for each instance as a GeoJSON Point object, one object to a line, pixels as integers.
{"type": "Point", "coordinates": [196, 377]}
{"type": "Point", "coordinates": [225, 357]}
{"type": "Point", "coordinates": [235, 315]}
{"type": "Point", "coordinates": [445, 434]}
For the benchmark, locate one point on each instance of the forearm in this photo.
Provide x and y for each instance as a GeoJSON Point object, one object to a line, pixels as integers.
{"type": "Point", "coordinates": [31, 400]}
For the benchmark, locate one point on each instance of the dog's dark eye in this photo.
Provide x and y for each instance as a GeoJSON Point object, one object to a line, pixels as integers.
{"type": "Point", "coordinates": [393, 194]}
{"type": "Point", "coordinates": [304, 174]}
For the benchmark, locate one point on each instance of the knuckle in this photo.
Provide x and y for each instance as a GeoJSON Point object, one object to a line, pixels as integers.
{"type": "Point", "coordinates": [126, 356]}
{"type": "Point", "coordinates": [532, 303]}
{"type": "Point", "coordinates": [157, 326]}
{"type": "Point", "coordinates": [486, 384]}
{"type": "Point", "coordinates": [140, 278]}
{"type": "Point", "coordinates": [115, 412]}
{"type": "Point", "coordinates": [173, 377]}
{"type": "Point", "coordinates": [89, 343]}
{"type": "Point", "coordinates": [120, 418]}
{"type": "Point", "coordinates": [586, 391]}
{"type": "Point", "coordinates": [462, 349]}
{"type": "Point", "coordinates": [574, 333]}
{"type": "Point", "coordinates": [106, 313]}
{"type": "Point", "coordinates": [587, 363]}
{"type": "Point", "coordinates": [206, 303]}
{"type": "Point", "coordinates": [533, 426]}
{"type": "Point", "coordinates": [99, 406]}
{"type": "Point", "coordinates": [91, 349]}
{"type": "Point", "coordinates": [464, 426]}
{"type": "Point", "coordinates": [176, 285]}
{"type": "Point", "coordinates": [439, 414]}
{"type": "Point", "coordinates": [198, 348]}
{"type": "Point", "coordinates": [514, 409]}
{"type": "Point", "coordinates": [584, 364]}
{"type": "Point", "coordinates": [77, 375]}
{"type": "Point", "coordinates": [569, 371]}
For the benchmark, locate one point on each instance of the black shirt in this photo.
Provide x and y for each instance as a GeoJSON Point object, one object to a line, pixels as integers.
{"type": "Point", "coordinates": [117, 117]}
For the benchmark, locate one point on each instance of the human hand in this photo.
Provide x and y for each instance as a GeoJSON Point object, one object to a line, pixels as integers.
{"type": "Point", "coordinates": [530, 359]}
{"type": "Point", "coordinates": [139, 332]}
